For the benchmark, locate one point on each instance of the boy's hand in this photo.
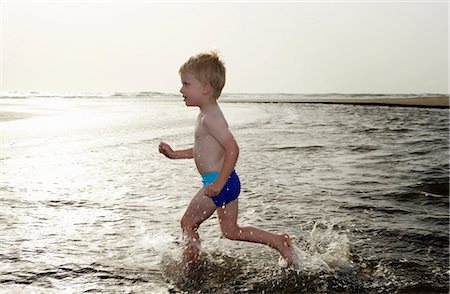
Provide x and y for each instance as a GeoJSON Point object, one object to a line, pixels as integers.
{"type": "Point", "coordinates": [213, 190]}
{"type": "Point", "coordinates": [165, 149]}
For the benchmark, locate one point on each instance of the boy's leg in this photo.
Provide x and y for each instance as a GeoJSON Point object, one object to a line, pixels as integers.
{"type": "Point", "coordinates": [200, 208]}
{"type": "Point", "coordinates": [230, 229]}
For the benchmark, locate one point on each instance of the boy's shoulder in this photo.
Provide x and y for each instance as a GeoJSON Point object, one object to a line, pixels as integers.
{"type": "Point", "coordinates": [214, 113]}
{"type": "Point", "coordinates": [214, 118]}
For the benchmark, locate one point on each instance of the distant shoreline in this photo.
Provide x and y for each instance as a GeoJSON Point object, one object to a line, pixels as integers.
{"type": "Point", "coordinates": [11, 115]}
{"type": "Point", "coordinates": [425, 102]}
{"type": "Point", "coordinates": [419, 102]}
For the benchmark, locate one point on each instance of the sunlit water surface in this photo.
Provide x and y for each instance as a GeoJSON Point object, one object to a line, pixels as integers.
{"type": "Point", "coordinates": [88, 204]}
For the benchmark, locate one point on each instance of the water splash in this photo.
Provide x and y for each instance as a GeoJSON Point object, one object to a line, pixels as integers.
{"type": "Point", "coordinates": [323, 249]}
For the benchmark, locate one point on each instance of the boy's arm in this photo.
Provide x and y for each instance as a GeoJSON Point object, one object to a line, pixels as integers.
{"type": "Point", "coordinates": [219, 130]}
{"type": "Point", "coordinates": [175, 154]}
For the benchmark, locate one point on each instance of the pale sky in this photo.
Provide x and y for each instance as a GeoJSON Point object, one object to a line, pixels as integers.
{"type": "Point", "coordinates": [289, 47]}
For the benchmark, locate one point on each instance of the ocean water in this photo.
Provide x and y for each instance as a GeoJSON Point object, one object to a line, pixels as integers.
{"type": "Point", "coordinates": [89, 205]}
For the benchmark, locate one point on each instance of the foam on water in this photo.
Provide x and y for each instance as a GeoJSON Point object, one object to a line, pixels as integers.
{"type": "Point", "coordinates": [323, 249]}
{"type": "Point", "coordinates": [323, 252]}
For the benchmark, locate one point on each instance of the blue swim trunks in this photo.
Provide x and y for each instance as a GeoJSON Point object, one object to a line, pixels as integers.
{"type": "Point", "coordinates": [229, 192]}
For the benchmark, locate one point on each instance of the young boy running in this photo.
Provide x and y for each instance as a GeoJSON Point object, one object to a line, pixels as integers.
{"type": "Point", "coordinates": [215, 153]}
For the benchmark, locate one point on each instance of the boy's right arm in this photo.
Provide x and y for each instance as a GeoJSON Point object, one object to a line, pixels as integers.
{"type": "Point", "coordinates": [175, 154]}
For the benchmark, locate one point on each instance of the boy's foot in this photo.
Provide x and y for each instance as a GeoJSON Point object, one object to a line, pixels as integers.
{"type": "Point", "coordinates": [190, 267]}
{"type": "Point", "coordinates": [287, 250]}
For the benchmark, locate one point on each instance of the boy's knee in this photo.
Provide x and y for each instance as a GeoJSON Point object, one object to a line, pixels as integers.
{"type": "Point", "coordinates": [187, 224]}
{"type": "Point", "coordinates": [231, 233]}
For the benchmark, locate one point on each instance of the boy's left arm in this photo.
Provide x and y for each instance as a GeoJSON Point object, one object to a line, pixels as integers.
{"type": "Point", "coordinates": [219, 130]}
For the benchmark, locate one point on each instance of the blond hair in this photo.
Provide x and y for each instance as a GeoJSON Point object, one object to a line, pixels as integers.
{"type": "Point", "coordinates": [207, 68]}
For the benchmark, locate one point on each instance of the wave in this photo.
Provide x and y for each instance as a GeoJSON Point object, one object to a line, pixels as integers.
{"type": "Point", "coordinates": [44, 276]}
{"type": "Point", "coordinates": [363, 148]}
{"type": "Point", "coordinates": [296, 148]}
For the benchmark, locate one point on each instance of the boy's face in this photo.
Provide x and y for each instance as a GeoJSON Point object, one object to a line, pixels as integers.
{"type": "Point", "coordinates": [193, 90]}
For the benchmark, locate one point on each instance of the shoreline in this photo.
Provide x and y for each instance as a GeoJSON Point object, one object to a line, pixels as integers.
{"type": "Point", "coordinates": [12, 115]}
{"type": "Point", "coordinates": [419, 102]}
{"type": "Point", "coordinates": [424, 102]}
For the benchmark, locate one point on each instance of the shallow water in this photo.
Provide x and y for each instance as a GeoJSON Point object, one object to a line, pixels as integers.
{"type": "Point", "coordinates": [88, 204]}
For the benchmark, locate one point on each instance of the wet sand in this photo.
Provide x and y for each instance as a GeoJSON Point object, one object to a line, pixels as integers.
{"type": "Point", "coordinates": [441, 102]}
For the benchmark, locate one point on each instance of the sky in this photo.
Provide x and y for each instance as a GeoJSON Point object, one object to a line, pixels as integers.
{"type": "Point", "coordinates": [268, 47]}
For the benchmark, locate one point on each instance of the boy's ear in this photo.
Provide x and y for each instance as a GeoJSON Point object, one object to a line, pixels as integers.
{"type": "Point", "coordinates": [207, 88]}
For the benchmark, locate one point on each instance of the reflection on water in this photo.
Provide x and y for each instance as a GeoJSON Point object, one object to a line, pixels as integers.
{"type": "Point", "coordinates": [88, 204]}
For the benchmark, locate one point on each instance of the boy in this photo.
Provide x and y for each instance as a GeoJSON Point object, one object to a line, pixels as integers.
{"type": "Point", "coordinates": [215, 153]}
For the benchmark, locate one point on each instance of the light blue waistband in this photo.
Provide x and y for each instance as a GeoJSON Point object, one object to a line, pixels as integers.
{"type": "Point", "coordinates": [209, 178]}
